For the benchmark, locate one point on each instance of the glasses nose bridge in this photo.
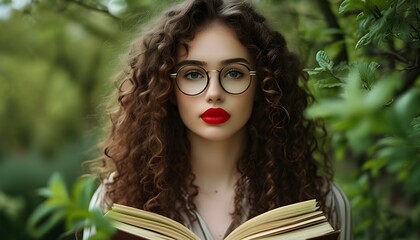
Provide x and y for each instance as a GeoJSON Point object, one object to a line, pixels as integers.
{"type": "Point", "coordinates": [215, 71]}
{"type": "Point", "coordinates": [216, 82]}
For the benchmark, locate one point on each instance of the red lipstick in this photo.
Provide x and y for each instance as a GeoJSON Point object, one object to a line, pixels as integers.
{"type": "Point", "coordinates": [215, 116]}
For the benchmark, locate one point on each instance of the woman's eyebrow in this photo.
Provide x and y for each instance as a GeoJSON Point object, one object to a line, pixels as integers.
{"type": "Point", "coordinates": [234, 60]}
{"type": "Point", "coordinates": [191, 62]}
{"type": "Point", "coordinates": [203, 63]}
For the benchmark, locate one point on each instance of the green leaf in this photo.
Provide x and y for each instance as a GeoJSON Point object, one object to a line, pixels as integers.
{"type": "Point", "coordinates": [103, 226]}
{"type": "Point", "coordinates": [100, 235]}
{"type": "Point", "coordinates": [45, 192]}
{"type": "Point", "coordinates": [325, 108]}
{"type": "Point", "coordinates": [367, 71]}
{"type": "Point", "coordinates": [58, 188]}
{"type": "Point", "coordinates": [415, 124]}
{"type": "Point", "coordinates": [346, 5]}
{"type": "Point", "coordinates": [413, 179]}
{"type": "Point", "coordinates": [407, 108]}
{"type": "Point", "coordinates": [391, 142]}
{"type": "Point", "coordinates": [363, 41]}
{"type": "Point", "coordinates": [53, 210]}
{"type": "Point", "coordinates": [358, 135]}
{"type": "Point", "coordinates": [83, 190]}
{"type": "Point", "coordinates": [323, 60]}
{"type": "Point", "coordinates": [381, 93]}
{"type": "Point", "coordinates": [314, 71]}
{"type": "Point", "coordinates": [48, 224]}
{"type": "Point", "coordinates": [374, 165]}
{"type": "Point", "coordinates": [74, 211]}
{"type": "Point", "coordinates": [325, 83]}
{"type": "Point", "coordinates": [40, 213]}
{"type": "Point", "coordinates": [75, 216]}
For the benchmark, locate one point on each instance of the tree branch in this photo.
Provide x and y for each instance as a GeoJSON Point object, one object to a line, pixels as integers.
{"type": "Point", "coordinates": [396, 55]}
{"type": "Point", "coordinates": [99, 8]}
{"type": "Point", "coordinates": [332, 22]}
{"type": "Point", "coordinates": [411, 75]}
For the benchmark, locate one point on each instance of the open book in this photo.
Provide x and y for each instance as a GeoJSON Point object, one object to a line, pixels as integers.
{"type": "Point", "coordinates": [301, 220]}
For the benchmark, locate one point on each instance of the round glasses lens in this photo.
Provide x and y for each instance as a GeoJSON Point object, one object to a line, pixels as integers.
{"type": "Point", "coordinates": [235, 78]}
{"type": "Point", "coordinates": [191, 79]}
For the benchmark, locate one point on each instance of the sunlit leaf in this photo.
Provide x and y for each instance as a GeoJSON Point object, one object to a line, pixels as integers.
{"type": "Point", "coordinates": [366, 39]}
{"type": "Point", "coordinates": [73, 212]}
{"type": "Point", "coordinates": [323, 60]}
{"type": "Point", "coordinates": [347, 5]}
{"type": "Point", "coordinates": [58, 188]}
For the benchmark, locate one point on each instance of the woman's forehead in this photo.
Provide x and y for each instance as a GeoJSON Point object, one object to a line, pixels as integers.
{"type": "Point", "coordinates": [214, 44]}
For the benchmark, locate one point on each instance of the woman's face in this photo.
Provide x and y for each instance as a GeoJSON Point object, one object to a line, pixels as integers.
{"type": "Point", "coordinates": [215, 114]}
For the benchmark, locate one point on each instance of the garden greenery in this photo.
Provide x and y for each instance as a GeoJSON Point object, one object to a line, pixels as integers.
{"type": "Point", "coordinates": [362, 56]}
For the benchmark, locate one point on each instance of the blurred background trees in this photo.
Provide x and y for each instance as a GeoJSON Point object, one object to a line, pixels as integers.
{"type": "Point", "coordinates": [57, 58]}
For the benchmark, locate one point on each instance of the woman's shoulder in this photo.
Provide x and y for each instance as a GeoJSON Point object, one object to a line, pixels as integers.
{"type": "Point", "coordinates": [341, 211]}
{"type": "Point", "coordinates": [99, 199]}
{"type": "Point", "coordinates": [340, 198]}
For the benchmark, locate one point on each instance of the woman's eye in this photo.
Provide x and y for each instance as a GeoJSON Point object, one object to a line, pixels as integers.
{"type": "Point", "coordinates": [193, 75]}
{"type": "Point", "coordinates": [234, 74]}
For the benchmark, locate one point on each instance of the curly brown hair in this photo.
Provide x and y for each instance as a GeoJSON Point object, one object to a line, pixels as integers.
{"type": "Point", "coordinates": [148, 147]}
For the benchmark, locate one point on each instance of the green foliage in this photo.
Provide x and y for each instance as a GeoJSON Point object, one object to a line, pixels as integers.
{"type": "Point", "coordinates": [356, 111]}
{"type": "Point", "coordinates": [370, 106]}
{"type": "Point", "coordinates": [72, 208]}
{"type": "Point", "coordinates": [381, 20]}
{"type": "Point", "coordinates": [10, 206]}
{"type": "Point", "coordinates": [57, 58]}
{"type": "Point", "coordinates": [364, 117]}
{"type": "Point", "coordinates": [327, 75]}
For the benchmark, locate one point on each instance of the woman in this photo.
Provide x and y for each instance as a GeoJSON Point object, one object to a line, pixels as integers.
{"type": "Point", "coordinates": [209, 129]}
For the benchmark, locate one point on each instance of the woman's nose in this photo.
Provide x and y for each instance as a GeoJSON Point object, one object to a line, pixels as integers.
{"type": "Point", "coordinates": [215, 92]}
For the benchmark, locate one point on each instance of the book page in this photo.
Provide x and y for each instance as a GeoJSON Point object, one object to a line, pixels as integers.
{"type": "Point", "coordinates": [277, 214]}
{"type": "Point", "coordinates": [141, 223]}
{"type": "Point", "coordinates": [277, 224]}
{"type": "Point", "coordinates": [296, 221]}
{"type": "Point", "coordinates": [304, 226]}
{"type": "Point", "coordinates": [133, 230]}
{"type": "Point", "coordinates": [138, 217]}
{"type": "Point", "coordinates": [302, 234]}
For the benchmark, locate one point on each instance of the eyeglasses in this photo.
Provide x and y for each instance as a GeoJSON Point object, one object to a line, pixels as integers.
{"type": "Point", "coordinates": [235, 78]}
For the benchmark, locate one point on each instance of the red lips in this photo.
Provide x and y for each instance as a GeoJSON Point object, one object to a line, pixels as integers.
{"type": "Point", "coordinates": [215, 116]}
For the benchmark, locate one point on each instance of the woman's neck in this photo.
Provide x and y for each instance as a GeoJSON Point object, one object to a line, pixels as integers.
{"type": "Point", "coordinates": [214, 163]}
